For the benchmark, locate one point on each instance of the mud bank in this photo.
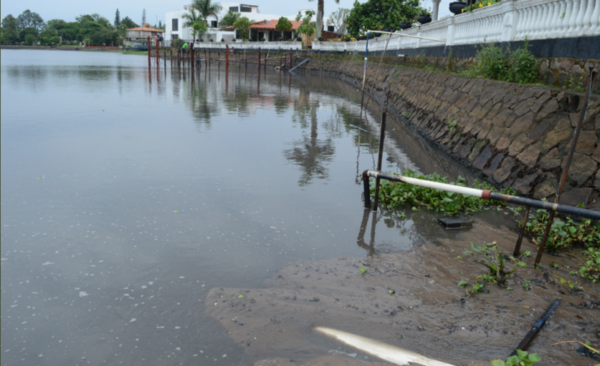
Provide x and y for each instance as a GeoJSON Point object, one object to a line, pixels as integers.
{"type": "Point", "coordinates": [510, 134]}
{"type": "Point", "coordinates": [427, 313]}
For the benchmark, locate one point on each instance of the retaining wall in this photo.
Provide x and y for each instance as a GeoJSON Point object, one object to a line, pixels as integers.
{"type": "Point", "coordinates": [511, 134]}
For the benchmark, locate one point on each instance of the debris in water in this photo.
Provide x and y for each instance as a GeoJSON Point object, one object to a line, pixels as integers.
{"type": "Point", "coordinates": [455, 222]}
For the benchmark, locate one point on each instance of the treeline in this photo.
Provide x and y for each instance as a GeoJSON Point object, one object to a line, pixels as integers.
{"type": "Point", "coordinates": [29, 28]}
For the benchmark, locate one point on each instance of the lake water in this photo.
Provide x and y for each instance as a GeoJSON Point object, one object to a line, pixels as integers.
{"type": "Point", "coordinates": [127, 195]}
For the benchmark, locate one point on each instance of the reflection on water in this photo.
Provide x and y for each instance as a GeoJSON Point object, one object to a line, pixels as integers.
{"type": "Point", "coordinates": [127, 194]}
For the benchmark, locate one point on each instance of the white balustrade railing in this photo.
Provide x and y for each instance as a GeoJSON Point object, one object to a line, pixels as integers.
{"type": "Point", "coordinates": [285, 46]}
{"type": "Point", "coordinates": [510, 20]}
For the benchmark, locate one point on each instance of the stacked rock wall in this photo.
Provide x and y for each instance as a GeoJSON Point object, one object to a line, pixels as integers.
{"type": "Point", "coordinates": [513, 135]}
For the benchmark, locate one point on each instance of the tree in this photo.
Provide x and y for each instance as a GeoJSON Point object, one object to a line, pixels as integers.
{"type": "Point", "coordinates": [129, 23]}
{"type": "Point", "coordinates": [320, 11]}
{"type": "Point", "coordinates": [242, 25]}
{"type": "Point", "coordinates": [117, 18]}
{"type": "Point", "coordinates": [307, 27]}
{"type": "Point", "coordinates": [160, 25]}
{"type": "Point", "coordinates": [207, 8]}
{"type": "Point", "coordinates": [29, 19]}
{"type": "Point", "coordinates": [338, 20]}
{"type": "Point", "coordinates": [30, 39]}
{"type": "Point", "coordinates": [144, 17]}
{"type": "Point", "coordinates": [380, 14]}
{"type": "Point", "coordinates": [229, 19]}
{"type": "Point", "coordinates": [284, 25]}
{"type": "Point", "coordinates": [193, 20]}
{"type": "Point", "coordinates": [10, 29]}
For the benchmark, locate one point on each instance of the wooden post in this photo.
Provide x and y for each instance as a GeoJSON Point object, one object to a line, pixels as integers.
{"type": "Point", "coordinates": [157, 52]}
{"type": "Point", "coordinates": [291, 62]}
{"type": "Point", "coordinates": [149, 48]}
{"type": "Point", "coordinates": [192, 57]}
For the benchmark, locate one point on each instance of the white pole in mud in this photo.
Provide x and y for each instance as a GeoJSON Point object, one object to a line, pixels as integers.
{"type": "Point", "coordinates": [364, 73]}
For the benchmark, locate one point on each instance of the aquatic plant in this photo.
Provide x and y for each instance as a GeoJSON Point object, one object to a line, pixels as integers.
{"type": "Point", "coordinates": [591, 267]}
{"type": "Point", "coordinates": [522, 358]}
{"type": "Point", "coordinates": [394, 194]}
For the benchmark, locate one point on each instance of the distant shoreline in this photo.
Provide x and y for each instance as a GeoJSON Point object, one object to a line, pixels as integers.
{"type": "Point", "coordinates": [62, 48]}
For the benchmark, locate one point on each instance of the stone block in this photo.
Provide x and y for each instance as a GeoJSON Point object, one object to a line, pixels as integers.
{"type": "Point", "coordinates": [524, 185]}
{"type": "Point", "coordinates": [548, 77]}
{"type": "Point", "coordinates": [486, 126]}
{"type": "Point", "coordinates": [585, 144]}
{"type": "Point", "coordinates": [597, 180]}
{"type": "Point", "coordinates": [479, 145]}
{"type": "Point", "coordinates": [521, 124]}
{"type": "Point", "coordinates": [546, 189]}
{"type": "Point", "coordinates": [518, 145]}
{"type": "Point", "coordinates": [576, 196]}
{"type": "Point", "coordinates": [524, 107]}
{"type": "Point", "coordinates": [504, 141]}
{"type": "Point", "coordinates": [541, 100]}
{"type": "Point", "coordinates": [505, 169]}
{"type": "Point", "coordinates": [494, 134]}
{"type": "Point", "coordinates": [566, 64]}
{"type": "Point", "coordinates": [582, 168]}
{"type": "Point", "coordinates": [561, 132]}
{"type": "Point", "coordinates": [596, 154]}
{"type": "Point", "coordinates": [504, 118]}
{"type": "Point", "coordinates": [550, 107]}
{"type": "Point", "coordinates": [459, 145]}
{"type": "Point", "coordinates": [466, 149]}
{"type": "Point", "coordinates": [564, 79]}
{"type": "Point", "coordinates": [550, 160]}
{"type": "Point", "coordinates": [483, 158]}
{"type": "Point", "coordinates": [530, 155]}
{"type": "Point", "coordinates": [491, 169]}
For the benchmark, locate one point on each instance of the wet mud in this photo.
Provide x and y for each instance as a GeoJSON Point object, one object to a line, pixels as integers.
{"type": "Point", "coordinates": [426, 313]}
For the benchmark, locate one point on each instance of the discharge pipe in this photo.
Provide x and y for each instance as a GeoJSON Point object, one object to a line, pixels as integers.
{"type": "Point", "coordinates": [484, 194]}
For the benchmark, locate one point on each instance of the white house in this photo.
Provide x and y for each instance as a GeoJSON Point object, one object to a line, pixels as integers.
{"type": "Point", "coordinates": [174, 23]}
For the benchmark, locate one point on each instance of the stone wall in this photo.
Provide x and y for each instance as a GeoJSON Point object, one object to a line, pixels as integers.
{"type": "Point", "coordinates": [512, 135]}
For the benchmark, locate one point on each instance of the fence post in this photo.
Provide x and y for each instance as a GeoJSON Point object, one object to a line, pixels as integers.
{"type": "Point", "coordinates": [226, 57]}
{"type": "Point", "coordinates": [291, 62]}
{"type": "Point", "coordinates": [149, 48]}
{"type": "Point", "coordinates": [259, 58]}
{"type": "Point", "coordinates": [157, 53]}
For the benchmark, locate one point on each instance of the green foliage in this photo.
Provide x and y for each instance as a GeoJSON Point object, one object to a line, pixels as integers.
{"type": "Point", "coordinates": [522, 358]}
{"type": "Point", "coordinates": [394, 194]}
{"type": "Point", "coordinates": [29, 19]}
{"type": "Point", "coordinates": [117, 18]}
{"type": "Point", "coordinates": [574, 286]}
{"type": "Point", "coordinates": [284, 25]}
{"type": "Point", "coordinates": [564, 233]}
{"type": "Point", "coordinates": [495, 261]}
{"type": "Point", "coordinates": [307, 27]}
{"type": "Point", "coordinates": [243, 27]}
{"type": "Point", "coordinates": [380, 14]}
{"type": "Point", "coordinates": [590, 269]}
{"type": "Point", "coordinates": [207, 8]}
{"type": "Point", "coordinates": [129, 23]}
{"type": "Point", "coordinates": [194, 21]}
{"type": "Point", "coordinates": [229, 19]}
{"type": "Point", "coordinates": [30, 39]}
{"type": "Point", "coordinates": [363, 270]}
{"type": "Point", "coordinates": [494, 62]}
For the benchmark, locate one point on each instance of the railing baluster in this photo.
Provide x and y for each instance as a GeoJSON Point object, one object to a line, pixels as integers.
{"type": "Point", "coordinates": [595, 20]}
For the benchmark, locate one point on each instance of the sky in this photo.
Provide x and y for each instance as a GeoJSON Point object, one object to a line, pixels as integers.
{"type": "Point", "coordinates": [156, 9]}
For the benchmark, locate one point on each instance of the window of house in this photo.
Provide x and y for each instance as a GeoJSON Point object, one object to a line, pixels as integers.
{"type": "Point", "coordinates": [330, 28]}
{"type": "Point", "coordinates": [213, 24]}
{"type": "Point", "coordinates": [175, 36]}
{"type": "Point", "coordinates": [175, 24]}
{"type": "Point", "coordinates": [234, 9]}
{"type": "Point", "coordinates": [245, 9]}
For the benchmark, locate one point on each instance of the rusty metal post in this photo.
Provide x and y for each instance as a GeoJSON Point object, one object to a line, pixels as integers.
{"type": "Point", "coordinates": [226, 57]}
{"type": "Point", "coordinates": [157, 54]}
{"type": "Point", "coordinates": [259, 58]}
{"type": "Point", "coordinates": [379, 158]}
{"type": "Point", "coordinates": [149, 48]}
{"type": "Point", "coordinates": [291, 62]}
{"type": "Point", "coordinates": [593, 73]}
{"type": "Point", "coordinates": [517, 251]}
{"type": "Point", "coordinates": [192, 57]}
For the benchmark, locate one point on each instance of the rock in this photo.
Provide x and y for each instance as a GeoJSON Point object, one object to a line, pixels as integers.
{"type": "Point", "coordinates": [483, 158]}
{"type": "Point", "coordinates": [504, 141]}
{"type": "Point", "coordinates": [486, 126]}
{"type": "Point", "coordinates": [524, 107]}
{"type": "Point", "coordinates": [521, 124]}
{"type": "Point", "coordinates": [489, 171]}
{"type": "Point", "coordinates": [566, 64]}
{"type": "Point", "coordinates": [466, 150]}
{"type": "Point", "coordinates": [598, 122]}
{"type": "Point", "coordinates": [563, 79]}
{"type": "Point", "coordinates": [585, 143]}
{"type": "Point", "coordinates": [561, 132]}
{"type": "Point", "coordinates": [549, 78]}
{"type": "Point", "coordinates": [504, 118]}
{"type": "Point", "coordinates": [576, 196]}
{"type": "Point", "coordinates": [597, 180]}
{"type": "Point", "coordinates": [550, 107]}
{"type": "Point", "coordinates": [505, 169]}
{"type": "Point", "coordinates": [530, 155]}
{"type": "Point", "coordinates": [535, 107]}
{"type": "Point", "coordinates": [551, 160]}
{"type": "Point", "coordinates": [518, 145]}
{"type": "Point", "coordinates": [582, 168]}
{"type": "Point", "coordinates": [495, 134]}
{"type": "Point", "coordinates": [476, 150]}
{"type": "Point", "coordinates": [539, 130]}
{"type": "Point", "coordinates": [546, 189]}
{"type": "Point", "coordinates": [596, 154]}
{"type": "Point", "coordinates": [523, 185]}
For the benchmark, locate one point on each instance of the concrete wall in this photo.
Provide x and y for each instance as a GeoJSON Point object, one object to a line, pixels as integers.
{"type": "Point", "coordinates": [511, 134]}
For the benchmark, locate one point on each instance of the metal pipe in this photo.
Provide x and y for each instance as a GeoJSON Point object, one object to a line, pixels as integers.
{"type": "Point", "coordinates": [488, 195]}
{"type": "Point", "coordinates": [563, 179]}
{"type": "Point", "coordinates": [405, 35]}
{"type": "Point", "coordinates": [366, 189]}
{"type": "Point", "coordinates": [149, 62]}
{"type": "Point", "coordinates": [364, 73]}
{"type": "Point", "coordinates": [291, 62]}
{"type": "Point", "coordinates": [157, 53]}
{"type": "Point", "coordinates": [259, 58]}
{"type": "Point", "coordinates": [379, 159]}
{"type": "Point", "coordinates": [536, 328]}
{"type": "Point", "coordinates": [517, 251]}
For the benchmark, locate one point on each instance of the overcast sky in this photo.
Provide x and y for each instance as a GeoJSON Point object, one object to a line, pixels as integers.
{"type": "Point", "coordinates": [156, 9]}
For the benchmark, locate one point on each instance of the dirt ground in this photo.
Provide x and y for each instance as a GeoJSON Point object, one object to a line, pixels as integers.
{"type": "Point", "coordinates": [428, 313]}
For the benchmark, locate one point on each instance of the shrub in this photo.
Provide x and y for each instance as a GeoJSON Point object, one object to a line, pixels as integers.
{"type": "Point", "coordinates": [29, 39]}
{"type": "Point", "coordinates": [493, 62]}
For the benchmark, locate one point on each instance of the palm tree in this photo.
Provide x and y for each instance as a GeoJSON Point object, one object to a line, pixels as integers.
{"type": "Point", "coordinates": [320, 11]}
{"type": "Point", "coordinates": [207, 8]}
{"type": "Point", "coordinates": [229, 19]}
{"type": "Point", "coordinates": [191, 19]}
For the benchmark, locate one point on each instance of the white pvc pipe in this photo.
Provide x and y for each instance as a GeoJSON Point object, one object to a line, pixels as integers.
{"type": "Point", "coordinates": [435, 185]}
{"type": "Point", "coordinates": [405, 35]}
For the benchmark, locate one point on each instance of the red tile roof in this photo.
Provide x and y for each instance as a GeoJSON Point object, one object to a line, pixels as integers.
{"type": "Point", "coordinates": [270, 25]}
{"type": "Point", "coordinates": [148, 29]}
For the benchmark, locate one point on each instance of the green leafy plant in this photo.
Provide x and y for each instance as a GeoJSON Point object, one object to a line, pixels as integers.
{"type": "Point", "coordinates": [363, 270]}
{"type": "Point", "coordinates": [591, 267]}
{"type": "Point", "coordinates": [573, 286]}
{"type": "Point", "coordinates": [495, 261]}
{"type": "Point", "coordinates": [522, 358]}
{"type": "Point", "coordinates": [307, 27]}
{"type": "Point", "coordinates": [452, 124]}
{"type": "Point", "coordinates": [395, 194]}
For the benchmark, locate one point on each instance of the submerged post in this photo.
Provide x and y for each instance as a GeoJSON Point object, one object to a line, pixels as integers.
{"type": "Point", "coordinates": [226, 57]}
{"type": "Point", "coordinates": [157, 54]}
{"type": "Point", "coordinates": [149, 48]}
{"type": "Point", "coordinates": [379, 159]}
{"type": "Point", "coordinates": [291, 62]}
{"type": "Point", "coordinates": [259, 58]}
{"type": "Point", "coordinates": [364, 73]}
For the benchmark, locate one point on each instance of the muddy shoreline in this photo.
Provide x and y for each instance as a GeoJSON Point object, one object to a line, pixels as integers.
{"type": "Point", "coordinates": [427, 313]}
